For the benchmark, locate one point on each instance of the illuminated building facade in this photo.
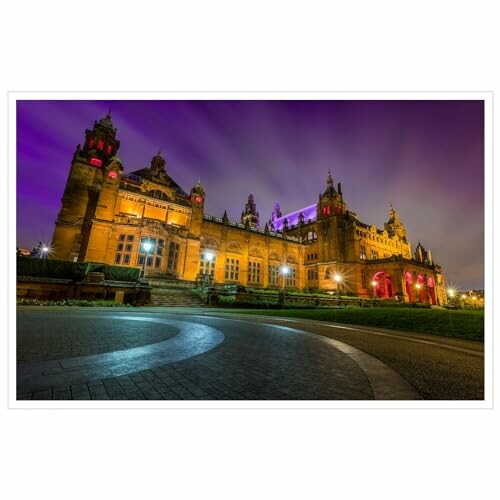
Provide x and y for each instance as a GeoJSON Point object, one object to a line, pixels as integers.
{"type": "Point", "coordinates": [107, 215]}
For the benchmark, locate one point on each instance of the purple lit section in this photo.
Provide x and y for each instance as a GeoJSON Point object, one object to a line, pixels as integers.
{"type": "Point", "coordinates": [293, 218]}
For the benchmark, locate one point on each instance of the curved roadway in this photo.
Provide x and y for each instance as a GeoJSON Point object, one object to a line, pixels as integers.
{"type": "Point", "coordinates": [158, 353]}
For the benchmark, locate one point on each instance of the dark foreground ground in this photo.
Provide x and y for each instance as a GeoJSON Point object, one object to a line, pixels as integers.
{"type": "Point", "coordinates": [158, 353]}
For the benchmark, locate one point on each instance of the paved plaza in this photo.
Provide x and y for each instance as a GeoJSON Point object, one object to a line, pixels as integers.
{"type": "Point", "coordinates": [145, 354]}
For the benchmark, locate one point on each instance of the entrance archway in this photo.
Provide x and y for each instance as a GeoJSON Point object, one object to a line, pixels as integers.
{"type": "Point", "coordinates": [420, 288]}
{"type": "Point", "coordinates": [383, 285]}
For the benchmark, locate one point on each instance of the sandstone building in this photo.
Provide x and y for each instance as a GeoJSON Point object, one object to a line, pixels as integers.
{"type": "Point", "coordinates": [107, 216]}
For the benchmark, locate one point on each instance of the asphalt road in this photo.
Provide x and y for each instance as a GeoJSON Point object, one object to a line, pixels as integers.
{"type": "Point", "coordinates": [158, 353]}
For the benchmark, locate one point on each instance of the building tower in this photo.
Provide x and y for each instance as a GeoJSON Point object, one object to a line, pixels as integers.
{"type": "Point", "coordinates": [250, 216]}
{"type": "Point", "coordinates": [275, 215]}
{"type": "Point", "coordinates": [331, 201]}
{"type": "Point", "coordinates": [90, 192]}
{"type": "Point", "coordinates": [394, 226]}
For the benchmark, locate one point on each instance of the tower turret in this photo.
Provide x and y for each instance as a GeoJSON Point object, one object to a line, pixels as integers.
{"type": "Point", "coordinates": [92, 169]}
{"type": "Point", "coordinates": [394, 226]}
{"type": "Point", "coordinates": [331, 201]}
{"type": "Point", "coordinates": [250, 216]}
{"type": "Point", "coordinates": [197, 196]}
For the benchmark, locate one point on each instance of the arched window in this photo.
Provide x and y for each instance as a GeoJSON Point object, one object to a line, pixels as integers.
{"type": "Point", "coordinates": [159, 195]}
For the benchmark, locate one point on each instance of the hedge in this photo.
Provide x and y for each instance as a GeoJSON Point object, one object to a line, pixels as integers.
{"type": "Point", "coordinates": [62, 269]}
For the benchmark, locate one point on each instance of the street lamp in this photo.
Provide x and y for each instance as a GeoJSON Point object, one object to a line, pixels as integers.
{"type": "Point", "coordinates": [284, 270]}
{"type": "Point", "coordinates": [374, 285]}
{"type": "Point", "coordinates": [209, 257]}
{"type": "Point", "coordinates": [147, 247]}
{"type": "Point", "coordinates": [44, 252]}
{"type": "Point", "coordinates": [338, 279]}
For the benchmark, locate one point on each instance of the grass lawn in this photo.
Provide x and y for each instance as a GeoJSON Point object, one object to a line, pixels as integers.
{"type": "Point", "coordinates": [467, 324]}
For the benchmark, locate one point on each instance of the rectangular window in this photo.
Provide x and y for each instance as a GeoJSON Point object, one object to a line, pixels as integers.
{"type": "Point", "coordinates": [173, 256]}
{"type": "Point", "coordinates": [159, 247]}
{"type": "Point", "coordinates": [207, 267]}
{"type": "Point", "coordinates": [128, 247]}
{"type": "Point", "coordinates": [362, 252]}
{"type": "Point", "coordinates": [121, 237]}
{"type": "Point", "coordinates": [157, 261]}
{"type": "Point", "coordinates": [254, 272]}
{"type": "Point", "coordinates": [291, 277]}
{"type": "Point", "coordinates": [120, 247]}
{"type": "Point", "coordinates": [130, 237]}
{"type": "Point", "coordinates": [374, 255]}
{"type": "Point", "coordinates": [126, 259]}
{"type": "Point", "coordinates": [274, 274]}
{"type": "Point", "coordinates": [232, 270]}
{"type": "Point", "coordinates": [118, 258]}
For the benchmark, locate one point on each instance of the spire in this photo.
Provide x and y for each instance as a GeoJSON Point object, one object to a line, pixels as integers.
{"type": "Point", "coordinates": [250, 213]}
{"type": "Point", "coordinates": [158, 164]}
{"type": "Point", "coordinates": [329, 184]}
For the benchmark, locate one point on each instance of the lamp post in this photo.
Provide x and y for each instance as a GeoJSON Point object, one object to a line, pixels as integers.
{"type": "Point", "coordinates": [374, 285]}
{"type": "Point", "coordinates": [208, 257]}
{"type": "Point", "coordinates": [44, 252]}
{"type": "Point", "coordinates": [451, 294]}
{"type": "Point", "coordinates": [284, 271]}
{"type": "Point", "coordinates": [147, 247]}
{"type": "Point", "coordinates": [338, 279]}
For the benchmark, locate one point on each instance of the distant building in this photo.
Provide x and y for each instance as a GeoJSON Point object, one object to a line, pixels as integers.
{"type": "Point", "coordinates": [107, 215]}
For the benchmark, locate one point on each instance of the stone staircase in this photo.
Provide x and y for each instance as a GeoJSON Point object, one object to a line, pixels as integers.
{"type": "Point", "coordinates": [175, 297]}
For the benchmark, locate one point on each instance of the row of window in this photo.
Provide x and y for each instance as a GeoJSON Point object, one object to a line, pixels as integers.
{"type": "Point", "coordinates": [312, 275]}
{"type": "Point", "coordinates": [379, 239]}
{"type": "Point", "coordinates": [373, 255]}
{"type": "Point", "coordinates": [152, 258]}
{"type": "Point", "coordinates": [312, 256]}
{"type": "Point", "coordinates": [232, 272]}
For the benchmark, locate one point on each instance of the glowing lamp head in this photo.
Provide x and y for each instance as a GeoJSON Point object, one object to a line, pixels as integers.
{"type": "Point", "coordinates": [45, 249]}
{"type": "Point", "coordinates": [285, 269]}
{"type": "Point", "coordinates": [337, 278]}
{"type": "Point", "coordinates": [374, 283]}
{"type": "Point", "coordinates": [474, 298]}
{"type": "Point", "coordinates": [147, 246]}
{"type": "Point", "coordinates": [464, 296]}
{"type": "Point", "coordinates": [209, 256]}
{"type": "Point", "coordinates": [451, 292]}
{"type": "Point", "coordinates": [417, 286]}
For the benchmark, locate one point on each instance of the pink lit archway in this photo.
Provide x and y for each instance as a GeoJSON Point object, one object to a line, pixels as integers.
{"type": "Point", "coordinates": [383, 285]}
{"type": "Point", "coordinates": [409, 286]}
{"type": "Point", "coordinates": [421, 290]}
{"type": "Point", "coordinates": [431, 290]}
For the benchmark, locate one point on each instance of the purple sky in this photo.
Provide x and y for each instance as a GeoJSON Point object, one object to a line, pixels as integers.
{"type": "Point", "coordinates": [424, 157]}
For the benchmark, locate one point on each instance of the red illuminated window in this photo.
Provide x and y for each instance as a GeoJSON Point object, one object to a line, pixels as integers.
{"type": "Point", "coordinates": [109, 149]}
{"type": "Point", "coordinates": [198, 199]}
{"type": "Point", "coordinates": [100, 145]}
{"type": "Point", "coordinates": [96, 162]}
{"type": "Point", "coordinates": [113, 174]}
{"type": "Point", "coordinates": [91, 143]}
